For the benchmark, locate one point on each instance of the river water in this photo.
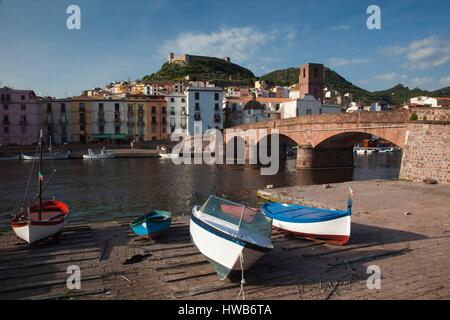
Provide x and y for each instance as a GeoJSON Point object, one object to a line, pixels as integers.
{"type": "Point", "coordinates": [105, 189]}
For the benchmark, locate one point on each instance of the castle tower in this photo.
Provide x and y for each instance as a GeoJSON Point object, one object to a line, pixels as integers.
{"type": "Point", "coordinates": [170, 57]}
{"type": "Point", "coordinates": [312, 80]}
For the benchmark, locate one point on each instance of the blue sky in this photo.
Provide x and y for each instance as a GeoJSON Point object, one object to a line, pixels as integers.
{"type": "Point", "coordinates": [119, 40]}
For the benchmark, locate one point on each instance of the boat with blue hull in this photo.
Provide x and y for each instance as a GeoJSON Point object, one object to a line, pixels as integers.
{"type": "Point", "coordinates": [153, 224]}
{"type": "Point", "coordinates": [231, 243]}
{"type": "Point", "coordinates": [330, 225]}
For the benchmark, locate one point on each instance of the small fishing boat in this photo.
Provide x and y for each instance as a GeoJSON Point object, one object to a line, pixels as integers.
{"type": "Point", "coordinates": [42, 218]}
{"type": "Point", "coordinates": [50, 155]}
{"type": "Point", "coordinates": [330, 225]}
{"type": "Point", "coordinates": [153, 224]}
{"type": "Point", "coordinates": [231, 243]}
{"type": "Point", "coordinates": [169, 155]}
{"type": "Point", "coordinates": [98, 156]}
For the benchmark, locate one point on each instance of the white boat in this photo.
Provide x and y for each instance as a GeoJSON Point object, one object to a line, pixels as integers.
{"type": "Point", "coordinates": [169, 155]}
{"type": "Point", "coordinates": [48, 156]}
{"type": "Point", "coordinates": [98, 156]}
{"type": "Point", "coordinates": [42, 218]}
{"type": "Point", "coordinates": [330, 225]}
{"type": "Point", "coordinates": [231, 236]}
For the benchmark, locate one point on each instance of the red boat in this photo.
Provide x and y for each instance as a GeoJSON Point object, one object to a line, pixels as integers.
{"type": "Point", "coordinates": [43, 218]}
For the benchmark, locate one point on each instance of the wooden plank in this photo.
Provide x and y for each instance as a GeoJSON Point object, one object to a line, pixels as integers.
{"type": "Point", "coordinates": [295, 247]}
{"type": "Point", "coordinates": [192, 277]}
{"type": "Point", "coordinates": [372, 257]}
{"type": "Point", "coordinates": [180, 265]}
{"type": "Point", "coordinates": [205, 290]}
{"type": "Point", "coordinates": [41, 284]}
{"type": "Point", "coordinates": [72, 294]}
{"type": "Point", "coordinates": [342, 249]}
{"type": "Point", "coordinates": [176, 256]}
{"type": "Point", "coordinates": [45, 263]}
{"type": "Point", "coordinates": [48, 254]}
{"type": "Point", "coordinates": [39, 273]}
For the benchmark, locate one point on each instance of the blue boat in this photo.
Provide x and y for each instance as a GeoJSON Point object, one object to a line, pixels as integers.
{"type": "Point", "coordinates": [153, 224]}
{"type": "Point", "coordinates": [330, 225]}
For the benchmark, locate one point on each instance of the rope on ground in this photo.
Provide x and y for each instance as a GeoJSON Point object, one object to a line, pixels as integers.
{"type": "Point", "coordinates": [241, 291]}
{"type": "Point", "coordinates": [29, 178]}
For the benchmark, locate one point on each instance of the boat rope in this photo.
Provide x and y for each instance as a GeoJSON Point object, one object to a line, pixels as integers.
{"type": "Point", "coordinates": [29, 179]}
{"type": "Point", "coordinates": [241, 291]}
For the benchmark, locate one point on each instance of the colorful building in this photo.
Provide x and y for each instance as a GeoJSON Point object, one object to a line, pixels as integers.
{"type": "Point", "coordinates": [20, 116]}
{"type": "Point", "coordinates": [56, 119]}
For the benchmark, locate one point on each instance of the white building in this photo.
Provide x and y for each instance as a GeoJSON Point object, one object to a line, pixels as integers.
{"type": "Point", "coordinates": [108, 117]}
{"type": "Point", "coordinates": [177, 111]}
{"type": "Point", "coordinates": [306, 106]}
{"type": "Point", "coordinates": [429, 102]}
{"type": "Point", "coordinates": [204, 108]}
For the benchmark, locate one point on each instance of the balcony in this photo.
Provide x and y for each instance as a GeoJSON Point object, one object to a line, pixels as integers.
{"type": "Point", "coordinates": [23, 122]}
{"type": "Point", "coordinates": [197, 116]}
{"type": "Point", "coordinates": [63, 121]}
{"type": "Point", "coordinates": [5, 122]}
{"type": "Point", "coordinates": [130, 122]}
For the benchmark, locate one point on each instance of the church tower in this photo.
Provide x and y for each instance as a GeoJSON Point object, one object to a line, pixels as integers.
{"type": "Point", "coordinates": [311, 80]}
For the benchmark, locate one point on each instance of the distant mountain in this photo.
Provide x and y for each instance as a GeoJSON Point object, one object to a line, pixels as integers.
{"type": "Point", "coordinates": [395, 96]}
{"type": "Point", "coordinates": [204, 68]}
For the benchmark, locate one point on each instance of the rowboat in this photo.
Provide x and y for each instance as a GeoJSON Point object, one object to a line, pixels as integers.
{"type": "Point", "coordinates": [330, 225]}
{"type": "Point", "coordinates": [42, 218]}
{"type": "Point", "coordinates": [229, 242]}
{"type": "Point", "coordinates": [98, 156]}
{"type": "Point", "coordinates": [153, 224]}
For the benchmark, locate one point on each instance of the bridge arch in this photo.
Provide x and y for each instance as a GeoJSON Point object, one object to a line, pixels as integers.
{"type": "Point", "coordinates": [347, 140]}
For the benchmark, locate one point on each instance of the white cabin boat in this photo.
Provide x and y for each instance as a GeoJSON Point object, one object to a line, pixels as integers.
{"type": "Point", "coordinates": [230, 235]}
{"type": "Point", "coordinates": [98, 156]}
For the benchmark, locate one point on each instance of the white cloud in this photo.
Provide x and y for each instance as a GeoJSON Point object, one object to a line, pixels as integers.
{"type": "Point", "coordinates": [343, 61]}
{"type": "Point", "coordinates": [343, 27]}
{"type": "Point", "coordinates": [445, 81]}
{"type": "Point", "coordinates": [420, 81]}
{"type": "Point", "coordinates": [238, 43]}
{"type": "Point", "coordinates": [422, 54]}
{"type": "Point", "coordinates": [390, 77]}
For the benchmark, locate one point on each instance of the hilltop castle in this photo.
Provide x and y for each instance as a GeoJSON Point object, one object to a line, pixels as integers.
{"type": "Point", "coordinates": [187, 58]}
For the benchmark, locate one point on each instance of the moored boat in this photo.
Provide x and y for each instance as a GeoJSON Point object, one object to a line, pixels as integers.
{"type": "Point", "coordinates": [48, 156]}
{"type": "Point", "coordinates": [9, 158]}
{"type": "Point", "coordinates": [330, 225]}
{"type": "Point", "coordinates": [168, 155]}
{"type": "Point", "coordinates": [98, 156]}
{"type": "Point", "coordinates": [229, 242]}
{"type": "Point", "coordinates": [42, 218]}
{"type": "Point", "coordinates": [152, 224]}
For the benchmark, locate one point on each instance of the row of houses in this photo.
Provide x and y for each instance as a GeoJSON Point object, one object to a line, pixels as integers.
{"type": "Point", "coordinates": [82, 119]}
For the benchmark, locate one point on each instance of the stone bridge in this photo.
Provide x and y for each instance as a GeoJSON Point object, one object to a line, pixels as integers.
{"type": "Point", "coordinates": [327, 140]}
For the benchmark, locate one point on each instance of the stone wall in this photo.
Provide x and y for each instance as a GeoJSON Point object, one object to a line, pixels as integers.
{"type": "Point", "coordinates": [432, 114]}
{"type": "Point", "coordinates": [426, 154]}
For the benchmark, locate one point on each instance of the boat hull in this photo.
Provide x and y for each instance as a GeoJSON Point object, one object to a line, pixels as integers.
{"type": "Point", "coordinates": [31, 229]}
{"type": "Point", "coordinates": [335, 231]}
{"type": "Point", "coordinates": [97, 157]}
{"type": "Point", "coordinates": [58, 156]}
{"type": "Point", "coordinates": [222, 250]}
{"type": "Point", "coordinates": [168, 156]}
{"type": "Point", "coordinates": [147, 227]}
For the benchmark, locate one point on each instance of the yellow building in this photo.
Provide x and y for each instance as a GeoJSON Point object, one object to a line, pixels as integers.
{"type": "Point", "coordinates": [81, 118]}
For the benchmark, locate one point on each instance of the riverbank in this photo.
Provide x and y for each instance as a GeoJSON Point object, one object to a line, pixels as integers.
{"type": "Point", "coordinates": [402, 227]}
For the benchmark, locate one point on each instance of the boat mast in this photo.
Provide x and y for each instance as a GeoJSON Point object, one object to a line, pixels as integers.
{"type": "Point", "coordinates": [40, 177]}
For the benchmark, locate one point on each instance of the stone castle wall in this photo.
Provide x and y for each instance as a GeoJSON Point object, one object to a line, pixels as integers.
{"type": "Point", "coordinates": [426, 154]}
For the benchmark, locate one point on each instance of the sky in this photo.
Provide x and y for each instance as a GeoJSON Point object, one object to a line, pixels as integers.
{"type": "Point", "coordinates": [121, 40]}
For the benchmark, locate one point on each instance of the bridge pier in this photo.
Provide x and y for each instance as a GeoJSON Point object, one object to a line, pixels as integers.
{"type": "Point", "coordinates": [310, 158]}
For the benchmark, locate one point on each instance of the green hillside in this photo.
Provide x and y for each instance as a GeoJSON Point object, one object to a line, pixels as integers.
{"type": "Point", "coordinates": [203, 70]}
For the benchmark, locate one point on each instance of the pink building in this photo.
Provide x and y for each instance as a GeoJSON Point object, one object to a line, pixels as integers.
{"type": "Point", "coordinates": [20, 117]}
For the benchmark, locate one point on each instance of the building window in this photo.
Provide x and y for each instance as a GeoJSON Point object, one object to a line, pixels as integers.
{"type": "Point", "coordinates": [172, 122]}
{"type": "Point", "coordinates": [5, 119]}
{"type": "Point", "coordinates": [216, 107]}
{"type": "Point", "coordinates": [153, 110]}
{"type": "Point", "coordinates": [5, 107]}
{"type": "Point", "coordinates": [315, 72]}
{"type": "Point", "coordinates": [82, 128]}
{"type": "Point", "coordinates": [140, 108]}
{"type": "Point", "coordinates": [183, 123]}
{"type": "Point", "coordinates": [183, 111]}
{"type": "Point", "coordinates": [277, 106]}
{"type": "Point", "coordinates": [6, 130]}
{"type": "Point", "coordinates": [304, 73]}
{"type": "Point", "coordinates": [172, 100]}
{"type": "Point", "coordinates": [23, 130]}
{"type": "Point", "coordinates": [117, 129]}
{"type": "Point", "coordinates": [164, 120]}
{"type": "Point", "coordinates": [172, 111]}
{"type": "Point", "coordinates": [101, 108]}
{"type": "Point", "coordinates": [23, 107]}
{"type": "Point", "coordinates": [308, 111]}
{"type": "Point", "coordinates": [153, 119]}
{"type": "Point", "coordinates": [82, 118]}
{"type": "Point", "coordinates": [183, 100]}
{"type": "Point", "coordinates": [117, 107]}
{"type": "Point", "coordinates": [197, 106]}
{"type": "Point", "coordinates": [320, 111]}
{"type": "Point", "coordinates": [82, 107]}
{"type": "Point", "coordinates": [216, 96]}
{"type": "Point", "coordinates": [164, 110]}
{"type": "Point", "coordinates": [197, 95]}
